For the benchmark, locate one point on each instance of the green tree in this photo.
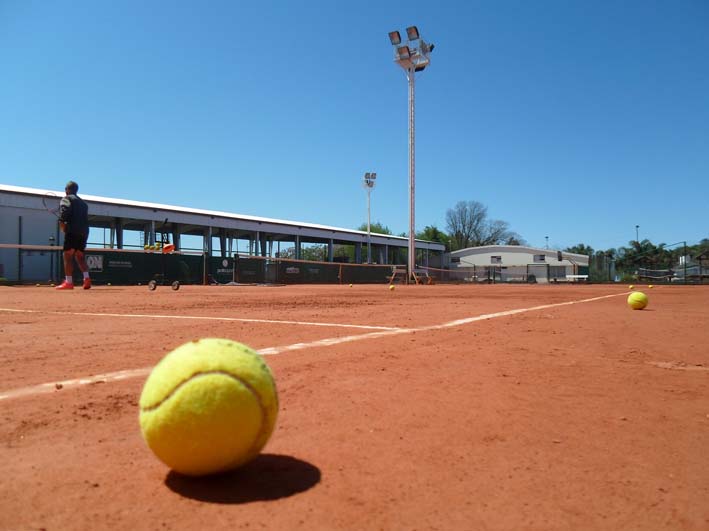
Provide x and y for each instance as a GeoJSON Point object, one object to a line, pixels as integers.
{"type": "Point", "coordinates": [580, 248]}
{"type": "Point", "coordinates": [432, 233]}
{"type": "Point", "coordinates": [374, 228]}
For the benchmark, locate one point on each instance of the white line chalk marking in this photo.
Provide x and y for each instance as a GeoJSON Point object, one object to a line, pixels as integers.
{"type": "Point", "coordinates": [272, 351]}
{"type": "Point", "coordinates": [202, 318]}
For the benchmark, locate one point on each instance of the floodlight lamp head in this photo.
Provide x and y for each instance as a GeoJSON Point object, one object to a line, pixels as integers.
{"type": "Point", "coordinates": [402, 55]}
{"type": "Point", "coordinates": [412, 33]}
{"type": "Point", "coordinates": [395, 38]}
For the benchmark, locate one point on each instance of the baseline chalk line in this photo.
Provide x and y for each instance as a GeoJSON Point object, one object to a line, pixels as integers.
{"type": "Point", "coordinates": [272, 351]}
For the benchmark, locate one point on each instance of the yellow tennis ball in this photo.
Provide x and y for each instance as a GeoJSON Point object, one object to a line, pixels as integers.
{"type": "Point", "coordinates": [631, 287]}
{"type": "Point", "coordinates": [637, 300]}
{"type": "Point", "coordinates": [650, 286]}
{"type": "Point", "coordinates": [209, 406]}
{"type": "Point", "coordinates": [350, 285]}
{"type": "Point", "coordinates": [391, 286]}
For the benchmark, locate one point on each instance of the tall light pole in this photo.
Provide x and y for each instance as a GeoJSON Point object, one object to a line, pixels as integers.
{"type": "Point", "coordinates": [369, 179]}
{"type": "Point", "coordinates": [636, 234]}
{"type": "Point", "coordinates": [547, 244]}
{"type": "Point", "coordinates": [412, 57]}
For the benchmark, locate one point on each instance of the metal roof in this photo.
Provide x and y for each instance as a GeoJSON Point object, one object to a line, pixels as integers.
{"type": "Point", "coordinates": [518, 248]}
{"type": "Point", "coordinates": [109, 201]}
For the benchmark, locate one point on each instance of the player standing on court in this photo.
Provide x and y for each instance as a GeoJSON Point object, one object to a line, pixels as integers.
{"type": "Point", "coordinates": [74, 220]}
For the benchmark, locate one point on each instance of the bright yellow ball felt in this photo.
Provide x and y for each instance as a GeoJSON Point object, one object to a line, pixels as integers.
{"type": "Point", "coordinates": [391, 287]}
{"type": "Point", "coordinates": [637, 300]}
{"type": "Point", "coordinates": [209, 406]}
{"type": "Point", "coordinates": [631, 287]}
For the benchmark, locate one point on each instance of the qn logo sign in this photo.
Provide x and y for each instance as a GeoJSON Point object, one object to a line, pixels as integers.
{"type": "Point", "coordinates": [95, 262]}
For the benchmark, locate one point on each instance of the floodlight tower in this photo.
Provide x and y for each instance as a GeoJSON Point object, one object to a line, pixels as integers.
{"type": "Point", "coordinates": [412, 57]}
{"type": "Point", "coordinates": [369, 179]}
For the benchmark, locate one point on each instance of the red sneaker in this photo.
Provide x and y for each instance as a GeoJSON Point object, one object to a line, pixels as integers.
{"type": "Point", "coordinates": [87, 283]}
{"type": "Point", "coordinates": [65, 285]}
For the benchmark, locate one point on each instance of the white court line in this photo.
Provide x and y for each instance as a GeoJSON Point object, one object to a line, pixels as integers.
{"type": "Point", "coordinates": [202, 318]}
{"type": "Point", "coordinates": [271, 351]}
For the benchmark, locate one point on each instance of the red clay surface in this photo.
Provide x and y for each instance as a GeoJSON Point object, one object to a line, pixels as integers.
{"type": "Point", "coordinates": [582, 416]}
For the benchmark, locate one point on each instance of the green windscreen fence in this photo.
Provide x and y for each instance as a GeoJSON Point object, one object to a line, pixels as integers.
{"type": "Point", "coordinates": [36, 263]}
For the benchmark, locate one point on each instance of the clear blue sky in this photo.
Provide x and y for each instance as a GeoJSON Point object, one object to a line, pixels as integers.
{"type": "Point", "coordinates": [576, 120]}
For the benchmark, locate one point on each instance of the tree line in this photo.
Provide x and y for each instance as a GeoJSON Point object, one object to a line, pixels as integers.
{"type": "Point", "coordinates": [639, 254]}
{"type": "Point", "coordinates": [467, 225]}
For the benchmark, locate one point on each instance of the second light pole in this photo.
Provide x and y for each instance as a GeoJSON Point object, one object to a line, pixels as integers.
{"type": "Point", "coordinates": [369, 179]}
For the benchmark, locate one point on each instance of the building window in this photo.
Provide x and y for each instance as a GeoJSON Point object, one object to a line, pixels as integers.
{"type": "Point", "coordinates": [540, 258]}
{"type": "Point", "coordinates": [455, 259]}
{"type": "Point", "coordinates": [495, 259]}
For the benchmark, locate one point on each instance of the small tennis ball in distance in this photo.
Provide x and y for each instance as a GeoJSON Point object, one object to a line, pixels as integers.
{"type": "Point", "coordinates": [631, 287]}
{"type": "Point", "coordinates": [637, 300]}
{"type": "Point", "coordinates": [209, 406]}
{"type": "Point", "coordinates": [391, 286]}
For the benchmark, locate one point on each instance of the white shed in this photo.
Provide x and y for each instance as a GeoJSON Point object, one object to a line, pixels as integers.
{"type": "Point", "coordinates": [518, 263]}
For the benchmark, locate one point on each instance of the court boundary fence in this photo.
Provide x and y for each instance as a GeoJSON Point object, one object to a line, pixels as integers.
{"type": "Point", "coordinates": [25, 264]}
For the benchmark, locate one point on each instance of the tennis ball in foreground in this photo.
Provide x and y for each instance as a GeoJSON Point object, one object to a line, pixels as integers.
{"type": "Point", "coordinates": [637, 300]}
{"type": "Point", "coordinates": [209, 406]}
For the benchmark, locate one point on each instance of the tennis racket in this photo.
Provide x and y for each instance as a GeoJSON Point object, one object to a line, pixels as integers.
{"type": "Point", "coordinates": [51, 202]}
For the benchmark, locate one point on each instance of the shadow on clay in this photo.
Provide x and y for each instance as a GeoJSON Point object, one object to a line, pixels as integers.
{"type": "Point", "coordinates": [268, 477]}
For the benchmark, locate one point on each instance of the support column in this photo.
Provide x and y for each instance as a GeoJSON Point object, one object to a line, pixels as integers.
{"type": "Point", "coordinates": [176, 236]}
{"type": "Point", "coordinates": [270, 247]}
{"type": "Point", "coordinates": [358, 253]}
{"type": "Point", "coordinates": [262, 244]}
{"type": "Point", "coordinates": [330, 250]}
{"type": "Point", "coordinates": [119, 233]}
{"type": "Point", "coordinates": [207, 241]}
{"type": "Point", "coordinates": [152, 233]}
{"type": "Point", "coordinates": [297, 247]}
{"type": "Point", "coordinates": [222, 242]}
{"type": "Point", "coordinates": [257, 241]}
{"type": "Point", "coordinates": [384, 255]}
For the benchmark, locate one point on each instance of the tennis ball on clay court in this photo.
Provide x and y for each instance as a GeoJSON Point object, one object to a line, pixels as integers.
{"type": "Point", "coordinates": [209, 406]}
{"type": "Point", "coordinates": [650, 286]}
{"type": "Point", "coordinates": [391, 287]}
{"type": "Point", "coordinates": [631, 287]}
{"type": "Point", "coordinates": [637, 300]}
{"type": "Point", "coordinates": [350, 285]}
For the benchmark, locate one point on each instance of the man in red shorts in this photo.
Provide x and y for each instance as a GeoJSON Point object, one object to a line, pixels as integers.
{"type": "Point", "coordinates": [74, 220]}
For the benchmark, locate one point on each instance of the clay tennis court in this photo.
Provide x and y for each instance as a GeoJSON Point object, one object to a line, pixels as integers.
{"type": "Point", "coordinates": [399, 409]}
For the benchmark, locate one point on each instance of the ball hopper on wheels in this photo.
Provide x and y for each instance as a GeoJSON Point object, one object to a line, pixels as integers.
{"type": "Point", "coordinates": [165, 248]}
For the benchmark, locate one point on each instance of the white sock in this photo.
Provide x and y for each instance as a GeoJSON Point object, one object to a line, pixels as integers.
{"type": "Point", "coordinates": [86, 275]}
{"type": "Point", "coordinates": [69, 280]}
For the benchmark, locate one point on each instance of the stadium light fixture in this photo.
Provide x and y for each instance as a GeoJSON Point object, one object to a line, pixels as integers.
{"type": "Point", "coordinates": [369, 179]}
{"type": "Point", "coordinates": [412, 33]}
{"type": "Point", "coordinates": [636, 234]}
{"type": "Point", "coordinates": [414, 56]}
